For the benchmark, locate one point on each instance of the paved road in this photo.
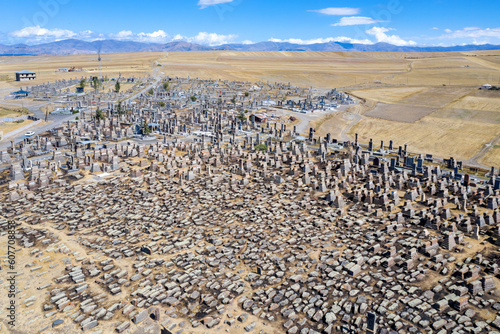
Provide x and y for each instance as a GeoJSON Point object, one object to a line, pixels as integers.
{"type": "Point", "coordinates": [55, 121]}
{"type": "Point", "coordinates": [158, 76]}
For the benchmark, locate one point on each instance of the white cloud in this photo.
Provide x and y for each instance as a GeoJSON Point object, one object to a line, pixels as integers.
{"type": "Point", "coordinates": [381, 36]}
{"type": "Point", "coordinates": [212, 39]}
{"type": "Point", "coordinates": [343, 39]}
{"type": "Point", "coordinates": [246, 42]}
{"type": "Point", "coordinates": [179, 37]}
{"type": "Point", "coordinates": [355, 20]}
{"type": "Point", "coordinates": [158, 36]}
{"type": "Point", "coordinates": [38, 33]}
{"type": "Point", "coordinates": [206, 3]}
{"type": "Point", "coordinates": [476, 42]}
{"type": "Point", "coordinates": [471, 28]}
{"type": "Point", "coordinates": [340, 39]}
{"type": "Point", "coordinates": [472, 32]}
{"type": "Point", "coordinates": [337, 11]}
{"type": "Point", "coordinates": [124, 34]}
{"type": "Point", "coordinates": [435, 28]}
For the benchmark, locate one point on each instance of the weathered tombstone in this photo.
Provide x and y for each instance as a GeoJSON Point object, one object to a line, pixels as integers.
{"type": "Point", "coordinates": [371, 323]}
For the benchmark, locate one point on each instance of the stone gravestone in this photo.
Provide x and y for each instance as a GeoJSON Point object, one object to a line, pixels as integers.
{"type": "Point", "coordinates": [372, 323]}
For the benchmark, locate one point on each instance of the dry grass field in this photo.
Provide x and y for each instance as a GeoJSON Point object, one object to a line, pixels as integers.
{"type": "Point", "coordinates": [318, 69]}
{"type": "Point", "coordinates": [46, 67]}
{"type": "Point", "coordinates": [8, 113]}
{"type": "Point", "coordinates": [476, 103]}
{"type": "Point", "coordinates": [389, 94]}
{"type": "Point", "coordinates": [11, 126]}
{"type": "Point", "coordinates": [428, 100]}
{"type": "Point", "coordinates": [439, 136]}
{"type": "Point", "coordinates": [441, 120]}
{"type": "Point", "coordinates": [339, 69]}
{"type": "Point", "coordinates": [492, 157]}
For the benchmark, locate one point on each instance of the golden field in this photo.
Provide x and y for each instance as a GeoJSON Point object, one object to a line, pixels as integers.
{"type": "Point", "coordinates": [46, 67]}
{"type": "Point", "coordinates": [309, 68]}
{"type": "Point", "coordinates": [11, 126]}
{"type": "Point", "coordinates": [427, 100]}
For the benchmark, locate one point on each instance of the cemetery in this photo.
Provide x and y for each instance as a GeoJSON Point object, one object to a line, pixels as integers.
{"type": "Point", "coordinates": [188, 205]}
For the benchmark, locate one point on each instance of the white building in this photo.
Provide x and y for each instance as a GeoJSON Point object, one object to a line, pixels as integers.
{"type": "Point", "coordinates": [25, 75]}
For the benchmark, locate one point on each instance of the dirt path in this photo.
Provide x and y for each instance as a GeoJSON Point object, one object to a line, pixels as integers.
{"type": "Point", "coordinates": [474, 161]}
{"type": "Point", "coordinates": [356, 118]}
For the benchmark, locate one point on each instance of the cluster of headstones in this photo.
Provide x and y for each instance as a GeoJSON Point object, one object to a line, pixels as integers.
{"type": "Point", "coordinates": [311, 242]}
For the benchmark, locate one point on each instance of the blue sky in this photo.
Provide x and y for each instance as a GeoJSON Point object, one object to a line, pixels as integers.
{"type": "Point", "coordinates": [215, 22]}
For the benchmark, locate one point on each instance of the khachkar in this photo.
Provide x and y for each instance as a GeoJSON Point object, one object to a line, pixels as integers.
{"type": "Point", "coordinates": [245, 227]}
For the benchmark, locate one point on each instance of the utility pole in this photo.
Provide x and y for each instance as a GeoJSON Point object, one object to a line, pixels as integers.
{"type": "Point", "coordinates": [46, 114]}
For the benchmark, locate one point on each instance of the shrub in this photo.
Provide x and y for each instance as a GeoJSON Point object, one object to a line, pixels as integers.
{"type": "Point", "coordinates": [261, 147]}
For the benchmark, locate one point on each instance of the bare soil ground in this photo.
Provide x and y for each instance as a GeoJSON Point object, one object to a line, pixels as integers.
{"type": "Point", "coordinates": [467, 114]}
{"type": "Point", "coordinates": [437, 97]}
{"type": "Point", "coordinates": [399, 112]}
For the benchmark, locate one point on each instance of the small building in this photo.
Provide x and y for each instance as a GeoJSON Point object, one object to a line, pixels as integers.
{"type": "Point", "coordinates": [63, 69]}
{"type": "Point", "coordinates": [20, 94]}
{"type": "Point", "coordinates": [86, 142]}
{"type": "Point", "coordinates": [486, 86]}
{"type": "Point", "coordinates": [259, 118]}
{"type": "Point", "coordinates": [25, 76]}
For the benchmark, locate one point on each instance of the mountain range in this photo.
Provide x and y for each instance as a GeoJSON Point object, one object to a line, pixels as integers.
{"type": "Point", "coordinates": [74, 46]}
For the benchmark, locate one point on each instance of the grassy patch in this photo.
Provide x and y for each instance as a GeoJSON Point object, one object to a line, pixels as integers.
{"type": "Point", "coordinates": [14, 112]}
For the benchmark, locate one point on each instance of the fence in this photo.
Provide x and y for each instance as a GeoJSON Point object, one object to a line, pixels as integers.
{"type": "Point", "coordinates": [19, 118]}
{"type": "Point", "coordinates": [13, 119]}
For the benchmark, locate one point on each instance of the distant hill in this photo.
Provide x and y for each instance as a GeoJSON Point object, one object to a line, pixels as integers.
{"type": "Point", "coordinates": [74, 46]}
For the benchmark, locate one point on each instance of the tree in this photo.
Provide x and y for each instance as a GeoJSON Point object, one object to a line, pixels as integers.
{"type": "Point", "coordinates": [96, 82]}
{"type": "Point", "coordinates": [166, 86]}
{"type": "Point", "coordinates": [233, 101]}
{"type": "Point", "coordinates": [242, 117]}
{"type": "Point", "coordinates": [82, 83]}
{"type": "Point", "coordinates": [151, 91]}
{"type": "Point", "coordinates": [117, 87]}
{"type": "Point", "coordinates": [99, 114]}
{"type": "Point", "coordinates": [162, 104]}
{"type": "Point", "coordinates": [119, 108]}
{"type": "Point", "coordinates": [261, 147]}
{"type": "Point", "coordinates": [247, 94]}
{"type": "Point", "coordinates": [145, 129]}
{"type": "Point", "coordinates": [193, 98]}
